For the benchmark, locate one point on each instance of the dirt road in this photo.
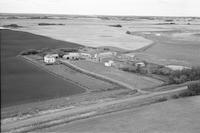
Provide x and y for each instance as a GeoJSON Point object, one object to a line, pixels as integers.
{"type": "Point", "coordinates": [46, 120]}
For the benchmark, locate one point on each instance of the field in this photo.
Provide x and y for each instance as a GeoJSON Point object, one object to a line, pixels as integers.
{"type": "Point", "coordinates": [174, 116]}
{"type": "Point", "coordinates": [88, 32]}
{"type": "Point", "coordinates": [136, 81]}
{"type": "Point", "coordinates": [87, 82]}
{"type": "Point", "coordinates": [173, 47]}
{"type": "Point", "coordinates": [30, 88]}
{"type": "Point", "coordinates": [22, 82]}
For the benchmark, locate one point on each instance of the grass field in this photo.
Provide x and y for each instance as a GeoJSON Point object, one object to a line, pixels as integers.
{"type": "Point", "coordinates": [174, 116]}
{"type": "Point", "coordinates": [136, 81]}
{"type": "Point", "coordinates": [22, 82]}
{"type": "Point", "coordinates": [173, 48]}
{"type": "Point", "coordinates": [90, 83]}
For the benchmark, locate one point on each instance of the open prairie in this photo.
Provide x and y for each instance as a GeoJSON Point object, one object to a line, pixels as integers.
{"type": "Point", "coordinates": [174, 116]}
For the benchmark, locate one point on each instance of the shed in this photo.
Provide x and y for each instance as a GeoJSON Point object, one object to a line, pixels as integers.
{"type": "Point", "coordinates": [71, 56]}
{"type": "Point", "coordinates": [129, 56]}
{"type": "Point", "coordinates": [140, 64]}
{"type": "Point", "coordinates": [86, 55]}
{"type": "Point", "coordinates": [54, 55]}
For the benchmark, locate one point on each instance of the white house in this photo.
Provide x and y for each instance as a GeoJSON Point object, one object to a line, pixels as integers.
{"type": "Point", "coordinates": [109, 63]}
{"type": "Point", "coordinates": [71, 56]}
{"type": "Point", "coordinates": [48, 59]}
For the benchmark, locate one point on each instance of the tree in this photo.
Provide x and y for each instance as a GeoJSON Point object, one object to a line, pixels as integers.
{"type": "Point", "coordinates": [195, 88]}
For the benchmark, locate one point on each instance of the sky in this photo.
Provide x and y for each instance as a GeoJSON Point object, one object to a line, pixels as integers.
{"type": "Point", "coordinates": [104, 7]}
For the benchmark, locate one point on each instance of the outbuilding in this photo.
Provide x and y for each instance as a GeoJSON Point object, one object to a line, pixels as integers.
{"type": "Point", "coordinates": [54, 55]}
{"type": "Point", "coordinates": [109, 63]}
{"type": "Point", "coordinates": [128, 56]}
{"type": "Point", "coordinates": [85, 55]}
{"type": "Point", "coordinates": [177, 67]}
{"type": "Point", "coordinates": [140, 64]}
{"type": "Point", "coordinates": [48, 59]}
{"type": "Point", "coordinates": [71, 56]}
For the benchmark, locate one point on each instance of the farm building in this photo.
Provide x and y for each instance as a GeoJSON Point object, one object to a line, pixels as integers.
{"type": "Point", "coordinates": [54, 55]}
{"type": "Point", "coordinates": [140, 64]}
{"type": "Point", "coordinates": [72, 56]}
{"type": "Point", "coordinates": [109, 63]}
{"type": "Point", "coordinates": [128, 56]}
{"type": "Point", "coordinates": [48, 59]}
{"type": "Point", "coordinates": [177, 67]}
{"type": "Point", "coordinates": [105, 55]}
{"type": "Point", "coordinates": [85, 55]}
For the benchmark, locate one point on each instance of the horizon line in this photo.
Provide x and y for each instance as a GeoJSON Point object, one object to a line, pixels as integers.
{"type": "Point", "coordinates": [97, 15]}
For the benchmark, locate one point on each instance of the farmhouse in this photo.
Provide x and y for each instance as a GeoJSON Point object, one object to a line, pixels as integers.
{"type": "Point", "coordinates": [48, 59]}
{"type": "Point", "coordinates": [72, 56]}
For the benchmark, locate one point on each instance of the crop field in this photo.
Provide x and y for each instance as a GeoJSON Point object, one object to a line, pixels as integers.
{"type": "Point", "coordinates": [174, 116]}
{"type": "Point", "coordinates": [136, 81]}
{"type": "Point", "coordinates": [22, 82]}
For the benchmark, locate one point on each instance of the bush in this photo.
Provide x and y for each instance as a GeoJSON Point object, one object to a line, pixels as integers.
{"type": "Point", "coordinates": [195, 88]}
{"type": "Point", "coordinates": [117, 25]}
{"type": "Point", "coordinates": [69, 50]}
{"type": "Point", "coordinates": [61, 54]}
{"type": "Point", "coordinates": [12, 26]}
{"type": "Point", "coordinates": [29, 52]}
{"type": "Point", "coordinates": [128, 32]}
{"type": "Point", "coordinates": [129, 69]}
{"type": "Point", "coordinates": [184, 75]}
{"type": "Point", "coordinates": [162, 99]}
{"type": "Point", "coordinates": [44, 24]}
{"type": "Point", "coordinates": [160, 70]}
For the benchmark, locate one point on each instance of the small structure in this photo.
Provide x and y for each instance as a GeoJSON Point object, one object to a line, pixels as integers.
{"type": "Point", "coordinates": [55, 55]}
{"type": "Point", "coordinates": [85, 55]}
{"type": "Point", "coordinates": [109, 63]}
{"type": "Point", "coordinates": [158, 34]}
{"type": "Point", "coordinates": [140, 64]}
{"type": "Point", "coordinates": [100, 56]}
{"type": "Point", "coordinates": [71, 56]}
{"type": "Point", "coordinates": [129, 56]}
{"type": "Point", "coordinates": [48, 59]}
{"type": "Point", "coordinates": [177, 67]}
